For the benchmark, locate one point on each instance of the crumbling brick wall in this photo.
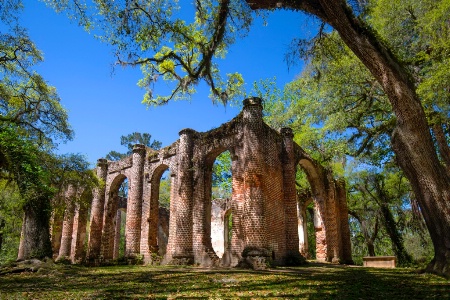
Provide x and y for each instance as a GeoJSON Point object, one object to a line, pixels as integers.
{"type": "Point", "coordinates": [263, 202]}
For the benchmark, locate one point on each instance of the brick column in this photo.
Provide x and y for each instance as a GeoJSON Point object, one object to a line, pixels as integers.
{"type": "Point", "coordinates": [109, 219]}
{"type": "Point", "coordinates": [183, 241]}
{"type": "Point", "coordinates": [79, 233]}
{"type": "Point", "coordinates": [56, 223]}
{"type": "Point", "coordinates": [204, 253]}
{"type": "Point", "coordinates": [233, 254]}
{"type": "Point", "coordinates": [66, 235]}
{"type": "Point", "coordinates": [146, 221]}
{"type": "Point", "coordinates": [153, 213]}
{"type": "Point", "coordinates": [253, 218]}
{"type": "Point", "coordinates": [290, 194]}
{"type": "Point", "coordinates": [322, 251]}
{"type": "Point", "coordinates": [172, 239]}
{"type": "Point", "coordinates": [117, 234]}
{"type": "Point", "coordinates": [97, 211]}
{"type": "Point", "coordinates": [134, 207]}
{"type": "Point", "coordinates": [332, 219]}
{"type": "Point", "coordinates": [346, 250]}
{"type": "Point", "coordinates": [302, 229]}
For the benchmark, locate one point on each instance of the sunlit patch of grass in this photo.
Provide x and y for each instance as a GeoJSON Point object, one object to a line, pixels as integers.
{"type": "Point", "coordinates": [314, 281]}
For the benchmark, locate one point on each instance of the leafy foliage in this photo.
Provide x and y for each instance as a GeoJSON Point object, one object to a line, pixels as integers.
{"type": "Point", "coordinates": [164, 190]}
{"type": "Point", "coordinates": [156, 36]}
{"type": "Point", "coordinates": [221, 176]}
{"type": "Point", "coordinates": [32, 122]}
{"type": "Point", "coordinates": [20, 162]}
{"type": "Point", "coordinates": [420, 31]}
{"type": "Point", "coordinates": [70, 170]}
{"type": "Point", "coordinates": [10, 220]}
{"type": "Point", "coordinates": [26, 100]}
{"type": "Point", "coordinates": [40, 177]}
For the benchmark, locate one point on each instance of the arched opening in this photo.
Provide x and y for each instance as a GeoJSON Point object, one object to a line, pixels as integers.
{"type": "Point", "coordinates": [164, 211]}
{"type": "Point", "coordinates": [158, 233]}
{"type": "Point", "coordinates": [221, 188]}
{"type": "Point", "coordinates": [311, 231]}
{"type": "Point", "coordinates": [308, 227]}
{"type": "Point", "coordinates": [114, 231]}
{"type": "Point", "coordinates": [121, 215]}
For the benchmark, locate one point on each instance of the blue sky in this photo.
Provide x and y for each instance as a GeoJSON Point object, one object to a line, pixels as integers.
{"type": "Point", "coordinates": [103, 105]}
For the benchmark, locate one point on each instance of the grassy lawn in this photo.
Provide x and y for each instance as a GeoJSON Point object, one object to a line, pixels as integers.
{"type": "Point", "coordinates": [314, 281]}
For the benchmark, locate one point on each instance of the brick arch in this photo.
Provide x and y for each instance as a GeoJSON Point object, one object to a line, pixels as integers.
{"type": "Point", "coordinates": [149, 236]}
{"type": "Point", "coordinates": [331, 225]}
{"type": "Point", "coordinates": [208, 164]}
{"type": "Point", "coordinates": [159, 170]}
{"type": "Point", "coordinates": [230, 144]}
{"type": "Point", "coordinates": [264, 203]}
{"type": "Point", "coordinates": [109, 234]}
{"type": "Point", "coordinates": [319, 194]}
{"type": "Point", "coordinates": [209, 160]}
{"type": "Point", "coordinates": [116, 182]}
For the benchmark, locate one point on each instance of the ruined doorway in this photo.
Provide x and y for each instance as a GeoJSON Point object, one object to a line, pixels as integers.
{"type": "Point", "coordinates": [114, 229]}
{"type": "Point", "coordinates": [160, 201]}
{"type": "Point", "coordinates": [221, 188]}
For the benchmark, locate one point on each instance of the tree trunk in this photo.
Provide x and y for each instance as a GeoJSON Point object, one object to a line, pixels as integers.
{"type": "Point", "coordinates": [368, 238]}
{"type": "Point", "coordinates": [383, 199]}
{"type": "Point", "coordinates": [2, 225]}
{"type": "Point", "coordinates": [35, 237]}
{"type": "Point", "coordinates": [370, 247]}
{"type": "Point", "coordinates": [402, 255]}
{"type": "Point", "coordinates": [411, 139]}
{"type": "Point", "coordinates": [441, 140]}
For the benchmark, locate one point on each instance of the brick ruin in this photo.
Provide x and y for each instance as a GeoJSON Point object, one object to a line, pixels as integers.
{"type": "Point", "coordinates": [267, 216]}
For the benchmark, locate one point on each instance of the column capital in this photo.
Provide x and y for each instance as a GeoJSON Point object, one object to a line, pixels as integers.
{"type": "Point", "coordinates": [287, 132]}
{"type": "Point", "coordinates": [252, 101]}
{"type": "Point", "coordinates": [187, 131]}
{"type": "Point", "coordinates": [252, 111]}
{"type": "Point", "coordinates": [102, 162]}
{"type": "Point", "coordinates": [138, 148]}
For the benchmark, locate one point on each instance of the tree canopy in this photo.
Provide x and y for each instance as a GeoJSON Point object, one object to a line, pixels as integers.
{"type": "Point", "coordinates": [26, 99]}
{"type": "Point", "coordinates": [32, 123]}
{"type": "Point", "coordinates": [340, 113]}
{"type": "Point", "coordinates": [158, 37]}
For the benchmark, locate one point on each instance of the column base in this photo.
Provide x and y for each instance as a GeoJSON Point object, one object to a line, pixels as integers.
{"type": "Point", "coordinates": [207, 258]}
{"type": "Point", "coordinates": [293, 259]}
{"type": "Point", "coordinates": [182, 259]}
{"type": "Point", "coordinates": [255, 258]}
{"type": "Point", "coordinates": [229, 260]}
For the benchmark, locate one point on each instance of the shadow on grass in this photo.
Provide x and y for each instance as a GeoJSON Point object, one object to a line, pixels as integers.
{"type": "Point", "coordinates": [314, 281]}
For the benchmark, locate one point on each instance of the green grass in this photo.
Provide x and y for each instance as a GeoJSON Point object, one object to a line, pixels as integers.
{"type": "Point", "coordinates": [314, 281]}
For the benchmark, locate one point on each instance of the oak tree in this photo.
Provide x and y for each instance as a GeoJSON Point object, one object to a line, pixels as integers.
{"type": "Point", "coordinates": [32, 121]}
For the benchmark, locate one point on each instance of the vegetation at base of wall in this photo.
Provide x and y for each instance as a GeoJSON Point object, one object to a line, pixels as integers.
{"type": "Point", "coordinates": [294, 259]}
{"type": "Point", "coordinates": [314, 281]}
{"type": "Point", "coordinates": [10, 221]}
{"type": "Point", "coordinates": [311, 232]}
